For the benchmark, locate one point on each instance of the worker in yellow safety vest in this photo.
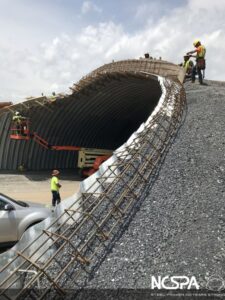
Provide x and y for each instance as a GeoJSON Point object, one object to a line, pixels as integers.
{"type": "Point", "coordinates": [18, 119]}
{"type": "Point", "coordinates": [200, 60]}
{"type": "Point", "coordinates": [188, 66]}
{"type": "Point", "coordinates": [55, 186]}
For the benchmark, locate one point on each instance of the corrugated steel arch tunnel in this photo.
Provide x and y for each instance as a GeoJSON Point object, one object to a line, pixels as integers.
{"type": "Point", "coordinates": [102, 111]}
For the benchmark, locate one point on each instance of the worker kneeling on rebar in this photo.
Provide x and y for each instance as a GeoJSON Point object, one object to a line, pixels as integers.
{"type": "Point", "coordinates": [200, 61]}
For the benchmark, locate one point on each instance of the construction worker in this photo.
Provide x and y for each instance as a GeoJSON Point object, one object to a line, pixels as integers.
{"type": "Point", "coordinates": [18, 119]}
{"type": "Point", "coordinates": [147, 55]}
{"type": "Point", "coordinates": [200, 60]}
{"type": "Point", "coordinates": [188, 66]}
{"type": "Point", "coordinates": [55, 186]}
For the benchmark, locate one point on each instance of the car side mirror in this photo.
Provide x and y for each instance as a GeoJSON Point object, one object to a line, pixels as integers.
{"type": "Point", "coordinates": [8, 207]}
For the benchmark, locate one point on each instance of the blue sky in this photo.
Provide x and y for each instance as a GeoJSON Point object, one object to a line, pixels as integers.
{"type": "Point", "coordinates": [48, 45]}
{"type": "Point", "coordinates": [41, 19]}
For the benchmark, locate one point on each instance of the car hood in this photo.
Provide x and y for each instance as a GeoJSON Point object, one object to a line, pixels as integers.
{"type": "Point", "coordinates": [37, 205]}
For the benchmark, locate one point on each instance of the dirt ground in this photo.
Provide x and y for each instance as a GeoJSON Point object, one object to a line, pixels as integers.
{"type": "Point", "coordinates": [35, 186]}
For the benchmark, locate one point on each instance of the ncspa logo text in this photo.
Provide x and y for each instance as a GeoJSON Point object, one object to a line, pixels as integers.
{"type": "Point", "coordinates": [174, 283]}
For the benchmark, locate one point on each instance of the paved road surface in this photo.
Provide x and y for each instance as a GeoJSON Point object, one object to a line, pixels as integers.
{"type": "Point", "coordinates": [35, 186]}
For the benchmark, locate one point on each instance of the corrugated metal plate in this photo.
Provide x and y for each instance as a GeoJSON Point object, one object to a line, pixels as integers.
{"type": "Point", "coordinates": [102, 112]}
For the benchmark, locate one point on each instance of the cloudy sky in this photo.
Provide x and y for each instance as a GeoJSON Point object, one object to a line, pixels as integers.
{"type": "Point", "coordinates": [47, 45]}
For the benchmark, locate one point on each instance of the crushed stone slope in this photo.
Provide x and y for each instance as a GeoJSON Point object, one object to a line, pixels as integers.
{"type": "Point", "coordinates": [179, 229]}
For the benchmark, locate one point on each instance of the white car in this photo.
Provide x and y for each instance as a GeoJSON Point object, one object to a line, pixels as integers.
{"type": "Point", "coordinates": [17, 216]}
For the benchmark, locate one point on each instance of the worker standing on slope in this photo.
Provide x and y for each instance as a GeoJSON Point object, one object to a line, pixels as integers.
{"type": "Point", "coordinates": [55, 186]}
{"type": "Point", "coordinates": [200, 60]}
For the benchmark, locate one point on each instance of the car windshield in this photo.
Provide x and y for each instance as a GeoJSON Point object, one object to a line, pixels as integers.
{"type": "Point", "coordinates": [18, 202]}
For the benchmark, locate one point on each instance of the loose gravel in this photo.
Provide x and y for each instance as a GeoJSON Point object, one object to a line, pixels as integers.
{"type": "Point", "coordinates": [180, 227]}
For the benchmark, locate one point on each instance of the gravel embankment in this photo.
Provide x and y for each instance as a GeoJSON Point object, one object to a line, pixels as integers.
{"type": "Point", "coordinates": [180, 227]}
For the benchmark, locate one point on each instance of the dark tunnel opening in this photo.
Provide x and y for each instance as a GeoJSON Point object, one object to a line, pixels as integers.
{"type": "Point", "coordinates": [102, 118]}
{"type": "Point", "coordinates": [106, 118]}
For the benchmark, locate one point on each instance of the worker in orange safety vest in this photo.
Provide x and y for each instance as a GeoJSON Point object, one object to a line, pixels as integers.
{"type": "Point", "coordinates": [200, 60]}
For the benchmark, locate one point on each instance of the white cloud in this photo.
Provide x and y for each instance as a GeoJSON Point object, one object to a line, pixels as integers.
{"type": "Point", "coordinates": [150, 10]}
{"type": "Point", "coordinates": [206, 4]}
{"type": "Point", "coordinates": [89, 6]}
{"type": "Point", "coordinates": [62, 61]}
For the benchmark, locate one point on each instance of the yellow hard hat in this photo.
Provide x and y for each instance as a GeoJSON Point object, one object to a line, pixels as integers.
{"type": "Point", "coordinates": [196, 42]}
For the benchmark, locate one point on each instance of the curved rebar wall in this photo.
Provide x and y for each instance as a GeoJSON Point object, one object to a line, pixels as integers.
{"type": "Point", "coordinates": [65, 249]}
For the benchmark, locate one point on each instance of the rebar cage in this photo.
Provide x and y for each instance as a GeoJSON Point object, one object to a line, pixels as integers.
{"type": "Point", "coordinates": [68, 248]}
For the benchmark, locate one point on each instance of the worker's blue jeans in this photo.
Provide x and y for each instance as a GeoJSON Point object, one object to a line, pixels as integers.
{"type": "Point", "coordinates": [196, 70]}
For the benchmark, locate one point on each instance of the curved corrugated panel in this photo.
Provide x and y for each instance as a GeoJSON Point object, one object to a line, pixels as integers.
{"type": "Point", "coordinates": [102, 111]}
